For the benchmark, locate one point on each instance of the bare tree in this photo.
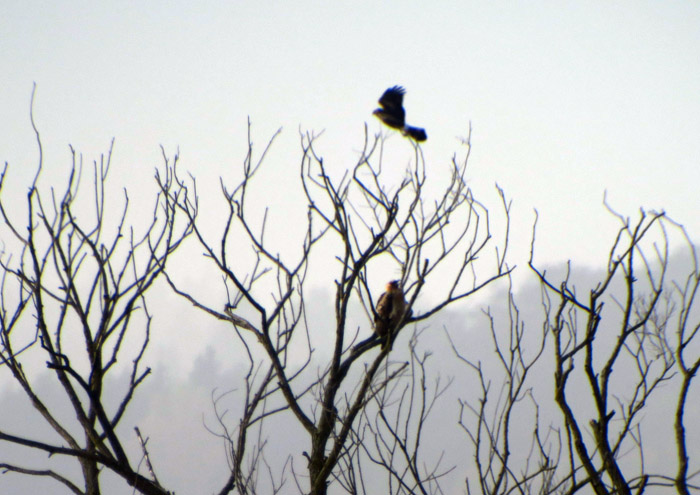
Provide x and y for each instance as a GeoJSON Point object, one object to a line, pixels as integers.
{"type": "Point", "coordinates": [360, 400]}
{"type": "Point", "coordinates": [687, 358]}
{"type": "Point", "coordinates": [618, 345]}
{"type": "Point", "coordinates": [627, 347]}
{"type": "Point", "coordinates": [74, 271]}
{"type": "Point", "coordinates": [391, 434]}
{"type": "Point", "coordinates": [432, 241]}
{"type": "Point", "coordinates": [505, 402]}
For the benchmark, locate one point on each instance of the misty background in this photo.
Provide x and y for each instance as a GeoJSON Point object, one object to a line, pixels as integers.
{"type": "Point", "coordinates": [567, 102]}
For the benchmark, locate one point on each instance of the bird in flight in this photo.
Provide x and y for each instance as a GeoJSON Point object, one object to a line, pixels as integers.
{"type": "Point", "coordinates": [390, 310]}
{"type": "Point", "coordinates": [393, 114]}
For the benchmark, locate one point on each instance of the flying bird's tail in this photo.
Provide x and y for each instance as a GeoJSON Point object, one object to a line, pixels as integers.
{"type": "Point", "coordinates": [415, 133]}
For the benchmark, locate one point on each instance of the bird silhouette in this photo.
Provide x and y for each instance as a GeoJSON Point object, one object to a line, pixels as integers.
{"type": "Point", "coordinates": [393, 114]}
{"type": "Point", "coordinates": [391, 307]}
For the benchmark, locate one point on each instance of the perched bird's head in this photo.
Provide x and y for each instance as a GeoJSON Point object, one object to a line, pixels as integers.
{"type": "Point", "coordinates": [393, 285]}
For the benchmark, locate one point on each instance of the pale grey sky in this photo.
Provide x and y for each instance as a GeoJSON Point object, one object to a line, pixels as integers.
{"type": "Point", "coordinates": [566, 99]}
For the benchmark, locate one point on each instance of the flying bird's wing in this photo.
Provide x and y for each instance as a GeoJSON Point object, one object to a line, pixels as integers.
{"type": "Point", "coordinates": [391, 111]}
{"type": "Point", "coordinates": [392, 99]}
{"type": "Point", "coordinates": [393, 114]}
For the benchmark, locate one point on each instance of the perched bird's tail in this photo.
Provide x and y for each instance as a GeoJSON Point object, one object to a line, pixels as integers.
{"type": "Point", "coordinates": [415, 133]}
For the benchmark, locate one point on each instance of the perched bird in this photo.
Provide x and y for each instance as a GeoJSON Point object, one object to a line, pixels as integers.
{"type": "Point", "coordinates": [390, 309]}
{"type": "Point", "coordinates": [393, 114]}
